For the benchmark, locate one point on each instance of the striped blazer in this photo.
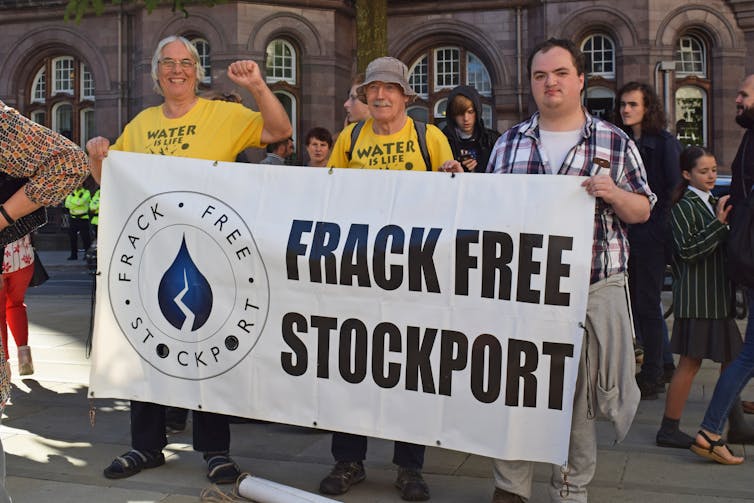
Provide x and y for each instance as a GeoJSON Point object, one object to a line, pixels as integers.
{"type": "Point", "coordinates": [700, 283]}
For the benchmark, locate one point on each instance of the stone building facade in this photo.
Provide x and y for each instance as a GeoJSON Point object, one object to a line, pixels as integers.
{"type": "Point", "coordinates": [90, 78]}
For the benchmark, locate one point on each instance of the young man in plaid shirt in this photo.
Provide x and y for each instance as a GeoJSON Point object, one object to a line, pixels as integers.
{"type": "Point", "coordinates": [563, 139]}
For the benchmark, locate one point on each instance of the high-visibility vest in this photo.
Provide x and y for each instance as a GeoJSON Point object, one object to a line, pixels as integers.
{"type": "Point", "coordinates": [78, 203]}
{"type": "Point", "coordinates": [94, 208]}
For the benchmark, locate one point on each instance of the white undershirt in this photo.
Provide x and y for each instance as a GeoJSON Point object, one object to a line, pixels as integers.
{"type": "Point", "coordinates": [556, 145]}
{"type": "Point", "coordinates": [704, 197]}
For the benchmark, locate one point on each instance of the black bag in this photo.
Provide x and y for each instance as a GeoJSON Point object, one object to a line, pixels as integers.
{"type": "Point", "coordinates": [740, 245]}
{"type": "Point", "coordinates": [23, 225]}
{"type": "Point", "coordinates": [39, 275]}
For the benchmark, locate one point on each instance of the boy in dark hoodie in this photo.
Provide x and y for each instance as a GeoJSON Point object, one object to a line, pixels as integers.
{"type": "Point", "coordinates": [470, 141]}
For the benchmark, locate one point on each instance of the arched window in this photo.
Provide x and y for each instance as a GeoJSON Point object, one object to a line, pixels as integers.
{"type": "Point", "coordinates": [599, 51]}
{"type": "Point", "coordinates": [691, 115]}
{"type": "Point", "coordinates": [202, 47]}
{"type": "Point", "coordinates": [693, 87]}
{"type": "Point", "coordinates": [65, 101]}
{"type": "Point", "coordinates": [690, 57]}
{"type": "Point", "coordinates": [289, 104]}
{"type": "Point", "coordinates": [435, 72]}
{"type": "Point", "coordinates": [282, 76]}
{"type": "Point", "coordinates": [477, 75]}
{"type": "Point", "coordinates": [281, 62]}
{"type": "Point", "coordinates": [39, 87]}
{"type": "Point", "coordinates": [418, 77]}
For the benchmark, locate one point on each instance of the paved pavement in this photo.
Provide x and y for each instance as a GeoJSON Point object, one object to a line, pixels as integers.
{"type": "Point", "coordinates": [53, 454]}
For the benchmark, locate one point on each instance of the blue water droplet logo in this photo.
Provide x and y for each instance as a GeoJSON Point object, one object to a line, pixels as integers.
{"type": "Point", "coordinates": [185, 295]}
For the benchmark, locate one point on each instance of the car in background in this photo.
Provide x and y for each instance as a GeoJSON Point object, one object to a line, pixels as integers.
{"type": "Point", "coordinates": [722, 186]}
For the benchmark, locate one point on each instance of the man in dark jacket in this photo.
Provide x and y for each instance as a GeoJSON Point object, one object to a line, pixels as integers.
{"type": "Point", "coordinates": [640, 114]}
{"type": "Point", "coordinates": [470, 141]}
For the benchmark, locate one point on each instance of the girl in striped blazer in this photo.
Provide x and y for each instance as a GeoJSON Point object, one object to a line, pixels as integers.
{"type": "Point", "coordinates": [703, 324]}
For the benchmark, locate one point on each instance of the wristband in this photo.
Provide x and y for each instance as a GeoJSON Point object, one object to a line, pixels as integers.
{"type": "Point", "coordinates": [6, 216]}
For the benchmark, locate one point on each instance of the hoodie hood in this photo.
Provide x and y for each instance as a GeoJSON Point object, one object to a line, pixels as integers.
{"type": "Point", "coordinates": [473, 95]}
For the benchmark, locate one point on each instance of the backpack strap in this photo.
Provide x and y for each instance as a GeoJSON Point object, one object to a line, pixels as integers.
{"type": "Point", "coordinates": [421, 135]}
{"type": "Point", "coordinates": [354, 136]}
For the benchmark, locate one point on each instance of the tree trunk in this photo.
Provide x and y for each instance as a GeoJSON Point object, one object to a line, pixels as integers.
{"type": "Point", "coordinates": [371, 31]}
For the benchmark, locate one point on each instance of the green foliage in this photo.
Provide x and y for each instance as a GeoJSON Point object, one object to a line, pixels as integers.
{"type": "Point", "coordinates": [77, 9]}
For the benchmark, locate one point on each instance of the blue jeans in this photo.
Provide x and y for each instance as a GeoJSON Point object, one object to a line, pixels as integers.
{"type": "Point", "coordinates": [733, 379]}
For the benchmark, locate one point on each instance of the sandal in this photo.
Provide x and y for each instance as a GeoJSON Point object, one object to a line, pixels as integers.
{"type": "Point", "coordinates": [710, 452]}
{"type": "Point", "coordinates": [132, 463]}
{"type": "Point", "coordinates": [222, 469]}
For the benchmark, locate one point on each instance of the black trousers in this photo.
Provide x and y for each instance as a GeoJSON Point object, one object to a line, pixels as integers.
{"type": "Point", "coordinates": [349, 448]}
{"type": "Point", "coordinates": [646, 269]}
{"type": "Point", "coordinates": [79, 226]}
{"type": "Point", "coordinates": [211, 431]}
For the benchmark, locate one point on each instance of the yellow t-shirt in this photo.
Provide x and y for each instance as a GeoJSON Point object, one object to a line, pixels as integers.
{"type": "Point", "coordinates": [214, 130]}
{"type": "Point", "coordinates": [399, 150]}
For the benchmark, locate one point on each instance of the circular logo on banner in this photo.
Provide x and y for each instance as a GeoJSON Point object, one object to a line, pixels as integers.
{"type": "Point", "coordinates": [187, 285]}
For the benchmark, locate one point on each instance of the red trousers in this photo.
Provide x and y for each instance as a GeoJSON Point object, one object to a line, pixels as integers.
{"type": "Point", "coordinates": [12, 307]}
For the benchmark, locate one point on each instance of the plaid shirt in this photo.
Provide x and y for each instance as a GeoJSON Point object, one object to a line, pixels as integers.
{"type": "Point", "coordinates": [519, 150]}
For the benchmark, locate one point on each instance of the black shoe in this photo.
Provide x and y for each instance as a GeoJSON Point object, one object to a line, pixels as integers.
{"type": "Point", "coordinates": [343, 475]}
{"type": "Point", "coordinates": [676, 439]}
{"type": "Point", "coordinates": [411, 484]}
{"type": "Point", "coordinates": [648, 390]}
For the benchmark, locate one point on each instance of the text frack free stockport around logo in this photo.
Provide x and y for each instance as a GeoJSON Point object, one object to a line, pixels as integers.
{"type": "Point", "coordinates": [187, 285]}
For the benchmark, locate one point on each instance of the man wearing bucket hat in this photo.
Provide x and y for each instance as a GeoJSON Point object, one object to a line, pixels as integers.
{"type": "Point", "coordinates": [390, 139]}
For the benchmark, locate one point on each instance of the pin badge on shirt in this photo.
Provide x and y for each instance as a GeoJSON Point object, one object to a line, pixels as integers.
{"type": "Point", "coordinates": [600, 166]}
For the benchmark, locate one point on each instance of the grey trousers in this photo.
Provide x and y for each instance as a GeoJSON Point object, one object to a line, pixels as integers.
{"type": "Point", "coordinates": [607, 308]}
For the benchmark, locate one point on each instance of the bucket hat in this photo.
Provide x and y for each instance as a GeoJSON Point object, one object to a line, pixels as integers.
{"type": "Point", "coordinates": [386, 69]}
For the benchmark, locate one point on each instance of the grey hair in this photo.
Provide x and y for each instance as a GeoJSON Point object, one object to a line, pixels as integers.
{"type": "Point", "coordinates": [158, 55]}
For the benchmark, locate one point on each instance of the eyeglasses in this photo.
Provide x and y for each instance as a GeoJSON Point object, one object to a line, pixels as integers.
{"type": "Point", "coordinates": [171, 64]}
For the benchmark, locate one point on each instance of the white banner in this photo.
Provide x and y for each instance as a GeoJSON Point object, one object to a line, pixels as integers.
{"type": "Point", "coordinates": [436, 309]}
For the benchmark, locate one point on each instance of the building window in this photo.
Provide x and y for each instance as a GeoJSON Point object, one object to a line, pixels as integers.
{"type": "Point", "coordinates": [87, 126]}
{"type": "Point", "coordinates": [202, 47]}
{"type": "Point", "coordinates": [435, 72]}
{"type": "Point", "coordinates": [477, 75]}
{"type": "Point", "coordinates": [447, 68]}
{"type": "Point", "coordinates": [600, 56]}
{"type": "Point", "coordinates": [63, 75]}
{"type": "Point", "coordinates": [39, 87]}
{"type": "Point", "coordinates": [600, 101]}
{"type": "Point", "coordinates": [87, 83]}
{"type": "Point", "coordinates": [62, 119]}
{"type": "Point", "coordinates": [39, 116]}
{"type": "Point", "coordinates": [418, 77]}
{"type": "Point", "coordinates": [281, 62]}
{"type": "Point", "coordinates": [487, 116]}
{"type": "Point", "coordinates": [282, 76]}
{"type": "Point", "coordinates": [691, 115]}
{"type": "Point", "coordinates": [66, 105]}
{"type": "Point", "coordinates": [690, 57]}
